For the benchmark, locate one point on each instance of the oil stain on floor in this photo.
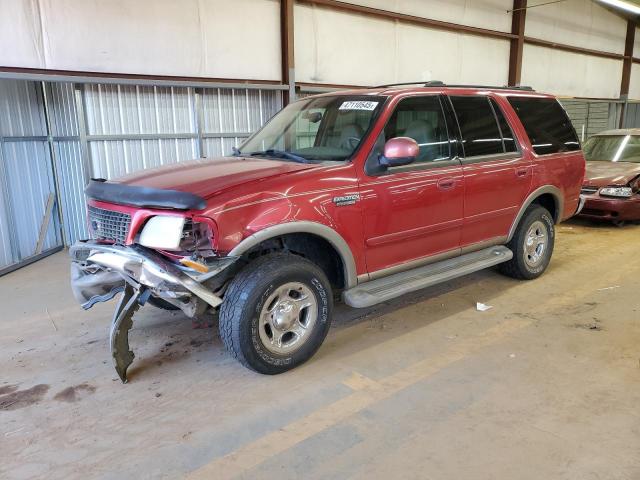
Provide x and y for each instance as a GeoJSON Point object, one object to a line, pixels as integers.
{"type": "Point", "coordinates": [75, 393]}
{"type": "Point", "coordinates": [13, 399]}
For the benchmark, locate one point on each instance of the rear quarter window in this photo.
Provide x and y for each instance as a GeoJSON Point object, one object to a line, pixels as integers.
{"type": "Point", "coordinates": [546, 124]}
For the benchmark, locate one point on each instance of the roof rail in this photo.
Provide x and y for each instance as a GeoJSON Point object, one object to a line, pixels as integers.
{"type": "Point", "coordinates": [494, 87]}
{"type": "Point", "coordinates": [438, 83]}
{"type": "Point", "coordinates": [430, 83]}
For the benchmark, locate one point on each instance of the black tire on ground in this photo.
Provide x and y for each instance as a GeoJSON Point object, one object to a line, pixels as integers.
{"type": "Point", "coordinates": [522, 266]}
{"type": "Point", "coordinates": [161, 304]}
{"type": "Point", "coordinates": [243, 304]}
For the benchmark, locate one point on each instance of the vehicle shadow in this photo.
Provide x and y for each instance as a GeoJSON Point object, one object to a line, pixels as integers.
{"type": "Point", "coordinates": [169, 338]}
{"type": "Point", "coordinates": [599, 224]}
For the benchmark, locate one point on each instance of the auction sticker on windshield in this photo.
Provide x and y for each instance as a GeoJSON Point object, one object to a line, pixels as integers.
{"type": "Point", "coordinates": [358, 105]}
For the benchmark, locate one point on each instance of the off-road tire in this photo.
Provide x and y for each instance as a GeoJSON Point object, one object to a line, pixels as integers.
{"type": "Point", "coordinates": [517, 267]}
{"type": "Point", "coordinates": [245, 298]}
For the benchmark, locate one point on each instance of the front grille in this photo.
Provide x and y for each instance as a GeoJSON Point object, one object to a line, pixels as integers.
{"type": "Point", "coordinates": [587, 190]}
{"type": "Point", "coordinates": [109, 225]}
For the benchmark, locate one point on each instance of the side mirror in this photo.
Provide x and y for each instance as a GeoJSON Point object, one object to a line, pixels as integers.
{"type": "Point", "coordinates": [399, 151]}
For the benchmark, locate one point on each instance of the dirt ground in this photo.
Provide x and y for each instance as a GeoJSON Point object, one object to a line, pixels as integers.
{"type": "Point", "coordinates": [544, 385]}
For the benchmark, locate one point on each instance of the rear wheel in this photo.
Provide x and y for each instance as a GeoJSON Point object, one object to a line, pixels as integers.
{"type": "Point", "coordinates": [276, 313]}
{"type": "Point", "coordinates": [532, 244]}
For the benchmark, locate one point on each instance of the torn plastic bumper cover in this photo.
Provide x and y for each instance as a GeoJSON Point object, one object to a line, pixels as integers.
{"type": "Point", "coordinates": [99, 272]}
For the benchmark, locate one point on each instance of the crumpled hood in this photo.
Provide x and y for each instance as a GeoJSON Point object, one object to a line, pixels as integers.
{"type": "Point", "coordinates": [601, 174]}
{"type": "Point", "coordinates": [207, 177]}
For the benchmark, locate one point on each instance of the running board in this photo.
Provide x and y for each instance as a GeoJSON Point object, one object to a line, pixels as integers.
{"type": "Point", "coordinates": [386, 288]}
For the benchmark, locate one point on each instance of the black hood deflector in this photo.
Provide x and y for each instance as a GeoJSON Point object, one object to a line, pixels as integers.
{"type": "Point", "coordinates": [145, 197]}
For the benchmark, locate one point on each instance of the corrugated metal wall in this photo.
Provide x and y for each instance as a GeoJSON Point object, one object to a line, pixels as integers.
{"type": "Point", "coordinates": [632, 115]}
{"type": "Point", "coordinates": [104, 130]}
{"type": "Point", "coordinates": [142, 127]}
{"type": "Point", "coordinates": [231, 115]}
{"type": "Point", "coordinates": [26, 173]}
{"type": "Point", "coordinates": [589, 117]}
{"type": "Point", "coordinates": [70, 164]}
{"type": "Point", "coordinates": [133, 127]}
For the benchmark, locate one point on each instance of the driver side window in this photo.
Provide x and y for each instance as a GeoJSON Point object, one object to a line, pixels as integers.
{"type": "Point", "coordinates": [422, 119]}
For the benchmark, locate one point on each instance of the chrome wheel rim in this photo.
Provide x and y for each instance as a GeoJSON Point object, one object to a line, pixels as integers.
{"type": "Point", "coordinates": [535, 243]}
{"type": "Point", "coordinates": [287, 318]}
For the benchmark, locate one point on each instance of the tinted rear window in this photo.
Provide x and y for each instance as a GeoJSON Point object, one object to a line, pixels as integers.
{"type": "Point", "coordinates": [546, 124]}
{"type": "Point", "coordinates": [480, 133]}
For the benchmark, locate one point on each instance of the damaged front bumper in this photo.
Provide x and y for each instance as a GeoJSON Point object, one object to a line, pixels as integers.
{"type": "Point", "coordinates": [581, 202]}
{"type": "Point", "coordinates": [100, 271]}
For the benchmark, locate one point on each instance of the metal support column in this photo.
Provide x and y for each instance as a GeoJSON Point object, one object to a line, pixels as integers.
{"type": "Point", "coordinates": [198, 94]}
{"type": "Point", "coordinates": [287, 47]}
{"type": "Point", "coordinates": [82, 132]}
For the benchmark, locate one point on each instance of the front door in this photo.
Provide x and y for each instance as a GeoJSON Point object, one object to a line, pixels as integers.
{"type": "Point", "coordinates": [414, 211]}
{"type": "Point", "coordinates": [496, 174]}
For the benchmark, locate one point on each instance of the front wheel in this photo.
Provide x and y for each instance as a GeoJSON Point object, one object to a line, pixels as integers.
{"type": "Point", "coordinates": [276, 313]}
{"type": "Point", "coordinates": [532, 244]}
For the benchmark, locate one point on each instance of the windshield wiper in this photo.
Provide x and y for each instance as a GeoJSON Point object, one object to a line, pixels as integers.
{"type": "Point", "coordinates": [280, 154]}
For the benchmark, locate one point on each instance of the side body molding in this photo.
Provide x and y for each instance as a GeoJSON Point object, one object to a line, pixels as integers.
{"type": "Point", "coordinates": [557, 196]}
{"type": "Point", "coordinates": [329, 234]}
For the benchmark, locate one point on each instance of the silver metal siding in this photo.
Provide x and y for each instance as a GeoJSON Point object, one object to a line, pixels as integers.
{"type": "Point", "coordinates": [30, 181]}
{"type": "Point", "coordinates": [21, 110]}
{"type": "Point", "coordinates": [591, 117]}
{"type": "Point", "coordinates": [26, 171]}
{"type": "Point", "coordinates": [105, 130]}
{"type": "Point", "coordinates": [130, 111]}
{"type": "Point", "coordinates": [232, 115]}
{"type": "Point", "coordinates": [72, 183]}
{"type": "Point", "coordinates": [65, 130]}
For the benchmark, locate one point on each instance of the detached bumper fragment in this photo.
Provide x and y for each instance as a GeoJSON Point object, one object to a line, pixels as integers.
{"type": "Point", "coordinates": [122, 322]}
{"type": "Point", "coordinates": [99, 272]}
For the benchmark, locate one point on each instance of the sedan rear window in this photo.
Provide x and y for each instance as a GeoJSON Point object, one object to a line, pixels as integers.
{"type": "Point", "coordinates": [546, 124]}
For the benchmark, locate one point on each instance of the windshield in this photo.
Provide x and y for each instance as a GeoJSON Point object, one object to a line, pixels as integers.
{"type": "Point", "coordinates": [613, 148]}
{"type": "Point", "coordinates": [316, 129]}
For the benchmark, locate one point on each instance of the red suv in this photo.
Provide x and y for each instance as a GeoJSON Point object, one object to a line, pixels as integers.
{"type": "Point", "coordinates": [369, 193]}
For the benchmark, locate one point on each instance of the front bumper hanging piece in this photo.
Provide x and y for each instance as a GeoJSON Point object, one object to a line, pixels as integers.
{"type": "Point", "coordinates": [100, 271]}
{"type": "Point", "coordinates": [132, 299]}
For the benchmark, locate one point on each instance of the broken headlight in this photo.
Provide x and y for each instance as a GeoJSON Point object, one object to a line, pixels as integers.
{"type": "Point", "coordinates": [196, 237]}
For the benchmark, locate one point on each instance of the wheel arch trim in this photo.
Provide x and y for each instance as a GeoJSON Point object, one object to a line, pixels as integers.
{"type": "Point", "coordinates": [314, 228]}
{"type": "Point", "coordinates": [555, 192]}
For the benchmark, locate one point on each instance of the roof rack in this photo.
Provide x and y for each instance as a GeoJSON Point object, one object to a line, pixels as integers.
{"type": "Point", "coordinates": [431, 83]}
{"type": "Point", "coordinates": [438, 83]}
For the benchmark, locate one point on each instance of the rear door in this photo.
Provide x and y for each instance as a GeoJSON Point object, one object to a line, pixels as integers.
{"type": "Point", "coordinates": [414, 211]}
{"type": "Point", "coordinates": [497, 176]}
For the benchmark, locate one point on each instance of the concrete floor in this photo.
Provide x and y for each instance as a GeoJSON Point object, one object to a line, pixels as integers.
{"type": "Point", "coordinates": [545, 385]}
